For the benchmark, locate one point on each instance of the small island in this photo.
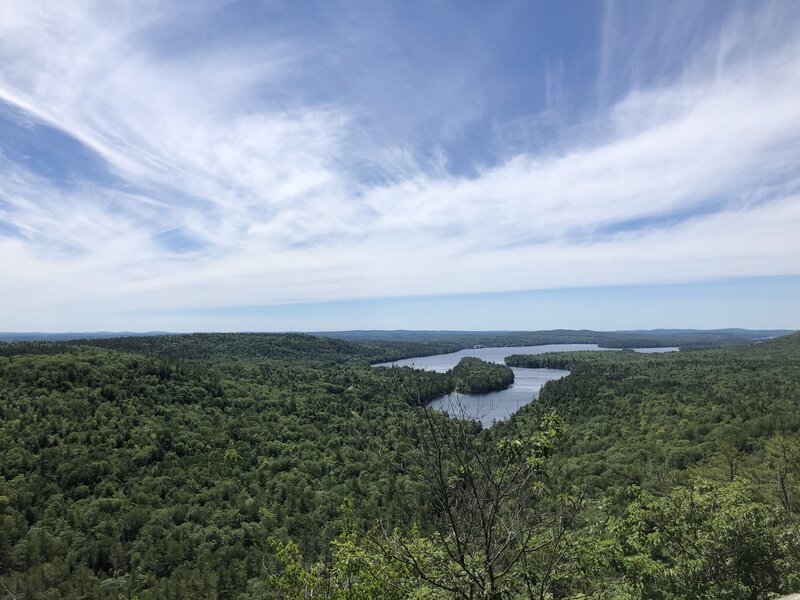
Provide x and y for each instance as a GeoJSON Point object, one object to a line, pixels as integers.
{"type": "Point", "coordinates": [475, 376]}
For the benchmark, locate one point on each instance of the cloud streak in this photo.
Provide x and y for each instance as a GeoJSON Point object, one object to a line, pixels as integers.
{"type": "Point", "coordinates": [234, 185]}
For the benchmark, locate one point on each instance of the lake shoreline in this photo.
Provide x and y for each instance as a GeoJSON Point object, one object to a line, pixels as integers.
{"type": "Point", "coordinates": [500, 405]}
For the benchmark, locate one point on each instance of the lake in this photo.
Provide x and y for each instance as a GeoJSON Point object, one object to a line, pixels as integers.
{"type": "Point", "coordinates": [497, 406]}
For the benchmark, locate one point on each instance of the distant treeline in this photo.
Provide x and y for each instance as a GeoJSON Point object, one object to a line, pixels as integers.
{"type": "Point", "coordinates": [371, 346]}
{"type": "Point", "coordinates": [684, 338]}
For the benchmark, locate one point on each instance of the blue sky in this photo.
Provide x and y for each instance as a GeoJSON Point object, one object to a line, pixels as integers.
{"type": "Point", "coordinates": [222, 165]}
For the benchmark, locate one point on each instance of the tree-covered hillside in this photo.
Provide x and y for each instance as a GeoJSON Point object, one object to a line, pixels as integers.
{"type": "Point", "coordinates": [129, 472]}
{"type": "Point", "coordinates": [233, 467]}
{"type": "Point", "coordinates": [637, 418]}
{"type": "Point", "coordinates": [295, 348]}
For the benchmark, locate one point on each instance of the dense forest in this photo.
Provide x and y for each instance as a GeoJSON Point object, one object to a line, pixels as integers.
{"type": "Point", "coordinates": [232, 466]}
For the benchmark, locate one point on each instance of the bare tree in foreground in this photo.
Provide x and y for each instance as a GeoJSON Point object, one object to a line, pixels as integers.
{"type": "Point", "coordinates": [497, 532]}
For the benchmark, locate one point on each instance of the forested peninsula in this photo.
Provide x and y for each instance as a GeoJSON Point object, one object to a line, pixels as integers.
{"type": "Point", "coordinates": [233, 466]}
{"type": "Point", "coordinates": [476, 376]}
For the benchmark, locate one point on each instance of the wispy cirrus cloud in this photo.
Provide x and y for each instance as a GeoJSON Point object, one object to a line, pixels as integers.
{"type": "Point", "coordinates": [237, 175]}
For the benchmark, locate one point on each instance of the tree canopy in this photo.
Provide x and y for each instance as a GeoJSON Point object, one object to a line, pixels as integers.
{"type": "Point", "coordinates": [231, 466]}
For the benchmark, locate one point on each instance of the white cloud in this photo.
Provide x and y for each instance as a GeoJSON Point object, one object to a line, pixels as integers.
{"type": "Point", "coordinates": [276, 199]}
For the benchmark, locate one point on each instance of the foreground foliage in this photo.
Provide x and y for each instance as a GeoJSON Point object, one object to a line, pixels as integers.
{"type": "Point", "coordinates": [704, 541]}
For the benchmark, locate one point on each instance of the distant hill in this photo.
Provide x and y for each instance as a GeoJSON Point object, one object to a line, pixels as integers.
{"type": "Point", "coordinates": [411, 342]}
{"type": "Point", "coordinates": [684, 338]}
{"type": "Point", "coordinates": [39, 336]}
{"type": "Point", "coordinates": [295, 348]}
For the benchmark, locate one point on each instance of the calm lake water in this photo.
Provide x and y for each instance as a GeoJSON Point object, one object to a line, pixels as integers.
{"type": "Point", "coordinates": [497, 406]}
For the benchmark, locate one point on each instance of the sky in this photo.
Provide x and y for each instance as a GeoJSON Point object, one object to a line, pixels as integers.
{"type": "Point", "coordinates": [254, 165]}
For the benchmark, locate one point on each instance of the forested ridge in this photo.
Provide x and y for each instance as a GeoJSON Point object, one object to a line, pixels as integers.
{"type": "Point", "coordinates": [285, 348]}
{"type": "Point", "coordinates": [252, 466]}
{"type": "Point", "coordinates": [685, 338]}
